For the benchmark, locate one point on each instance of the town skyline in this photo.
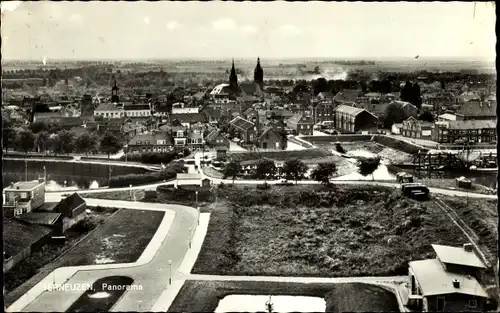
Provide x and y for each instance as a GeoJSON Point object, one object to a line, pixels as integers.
{"type": "Point", "coordinates": [221, 30]}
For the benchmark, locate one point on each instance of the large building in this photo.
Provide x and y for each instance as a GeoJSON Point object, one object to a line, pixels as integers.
{"type": "Point", "coordinates": [23, 197]}
{"type": "Point", "coordinates": [478, 131]}
{"type": "Point", "coordinates": [351, 120]}
{"type": "Point", "coordinates": [258, 75]}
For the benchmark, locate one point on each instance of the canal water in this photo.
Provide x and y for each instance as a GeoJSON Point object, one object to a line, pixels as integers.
{"type": "Point", "coordinates": [64, 175]}
{"type": "Point", "coordinates": [385, 172]}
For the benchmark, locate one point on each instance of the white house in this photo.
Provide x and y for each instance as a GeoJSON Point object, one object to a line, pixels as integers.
{"type": "Point", "coordinates": [180, 108]}
{"type": "Point", "coordinates": [109, 110]}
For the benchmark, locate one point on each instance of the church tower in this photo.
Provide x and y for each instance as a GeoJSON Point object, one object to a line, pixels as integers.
{"type": "Point", "coordinates": [233, 79]}
{"type": "Point", "coordinates": [258, 74]}
{"type": "Point", "coordinates": [114, 94]}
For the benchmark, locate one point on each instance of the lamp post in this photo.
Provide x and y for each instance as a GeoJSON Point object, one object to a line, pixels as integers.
{"type": "Point", "coordinates": [26, 169]}
{"type": "Point", "coordinates": [130, 186]}
{"type": "Point", "coordinates": [170, 272]}
{"type": "Point", "coordinates": [65, 182]}
{"type": "Point", "coordinates": [190, 229]}
{"type": "Point", "coordinates": [198, 218]}
{"type": "Point", "coordinates": [44, 174]}
{"type": "Point", "coordinates": [196, 197]}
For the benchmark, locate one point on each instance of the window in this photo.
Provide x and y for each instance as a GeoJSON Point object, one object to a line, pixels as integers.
{"type": "Point", "coordinates": [18, 212]}
{"type": "Point", "coordinates": [440, 304]}
{"type": "Point", "coordinates": [24, 195]}
{"type": "Point", "coordinates": [472, 304]}
{"type": "Point", "coordinates": [146, 142]}
{"type": "Point", "coordinates": [138, 142]}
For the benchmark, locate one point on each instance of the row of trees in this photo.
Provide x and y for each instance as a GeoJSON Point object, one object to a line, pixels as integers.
{"type": "Point", "coordinates": [60, 142]}
{"type": "Point", "coordinates": [296, 170]}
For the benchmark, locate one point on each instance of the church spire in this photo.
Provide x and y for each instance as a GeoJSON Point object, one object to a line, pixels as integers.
{"type": "Point", "coordinates": [233, 78]}
{"type": "Point", "coordinates": [258, 74]}
{"type": "Point", "coordinates": [114, 93]}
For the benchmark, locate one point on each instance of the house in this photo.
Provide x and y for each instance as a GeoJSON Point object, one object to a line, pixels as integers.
{"type": "Point", "coordinates": [347, 96]}
{"type": "Point", "coordinates": [447, 117]}
{"type": "Point", "coordinates": [195, 139]}
{"type": "Point", "coordinates": [408, 108]}
{"type": "Point", "coordinates": [351, 120]}
{"type": "Point", "coordinates": [477, 110]}
{"type": "Point", "coordinates": [21, 239]}
{"type": "Point", "coordinates": [181, 108]}
{"type": "Point", "coordinates": [301, 124]}
{"type": "Point", "coordinates": [326, 96]}
{"type": "Point", "coordinates": [414, 128]}
{"type": "Point", "coordinates": [109, 110]}
{"type": "Point", "coordinates": [214, 116]}
{"type": "Point", "coordinates": [276, 124]}
{"type": "Point", "coordinates": [396, 128]}
{"type": "Point", "coordinates": [323, 112]}
{"type": "Point", "coordinates": [215, 141]}
{"type": "Point", "coordinates": [447, 283]}
{"type": "Point", "coordinates": [251, 89]}
{"type": "Point", "coordinates": [479, 131]}
{"type": "Point", "coordinates": [137, 110]}
{"type": "Point", "coordinates": [188, 119]}
{"type": "Point", "coordinates": [188, 179]}
{"type": "Point", "coordinates": [71, 206]}
{"type": "Point", "coordinates": [23, 197]}
{"type": "Point", "coordinates": [53, 220]}
{"type": "Point", "coordinates": [271, 139]}
{"type": "Point", "coordinates": [252, 115]}
{"type": "Point", "coordinates": [246, 130]}
{"type": "Point", "coordinates": [151, 142]}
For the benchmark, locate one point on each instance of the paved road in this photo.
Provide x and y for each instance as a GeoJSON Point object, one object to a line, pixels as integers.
{"type": "Point", "coordinates": [103, 162]}
{"type": "Point", "coordinates": [367, 279]}
{"type": "Point", "coordinates": [153, 276]}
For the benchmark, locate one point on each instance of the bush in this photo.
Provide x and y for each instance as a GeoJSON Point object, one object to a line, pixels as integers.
{"type": "Point", "coordinates": [150, 195]}
{"type": "Point", "coordinates": [185, 194]}
{"type": "Point", "coordinates": [86, 224]}
{"type": "Point", "coordinates": [263, 186]}
{"type": "Point", "coordinates": [170, 172]}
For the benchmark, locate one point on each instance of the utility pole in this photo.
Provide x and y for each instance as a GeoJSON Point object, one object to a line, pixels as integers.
{"type": "Point", "coordinates": [26, 169]}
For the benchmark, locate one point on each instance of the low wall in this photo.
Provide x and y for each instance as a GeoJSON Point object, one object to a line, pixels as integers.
{"type": "Point", "coordinates": [301, 142]}
{"type": "Point", "coordinates": [36, 156]}
{"type": "Point", "coordinates": [8, 264]}
{"type": "Point", "coordinates": [333, 138]}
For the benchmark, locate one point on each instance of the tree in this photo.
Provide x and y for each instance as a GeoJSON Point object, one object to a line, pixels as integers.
{"type": "Point", "coordinates": [295, 168]}
{"type": "Point", "coordinates": [41, 140]}
{"type": "Point", "coordinates": [232, 169]}
{"type": "Point", "coordinates": [324, 172]}
{"type": "Point", "coordinates": [265, 168]}
{"type": "Point", "coordinates": [25, 140]}
{"type": "Point", "coordinates": [110, 144]}
{"type": "Point", "coordinates": [65, 142]}
{"type": "Point", "coordinates": [8, 138]}
{"type": "Point", "coordinates": [320, 85]}
{"type": "Point", "coordinates": [394, 113]}
{"type": "Point", "coordinates": [367, 166]}
{"type": "Point", "coordinates": [85, 143]}
{"type": "Point", "coordinates": [426, 116]}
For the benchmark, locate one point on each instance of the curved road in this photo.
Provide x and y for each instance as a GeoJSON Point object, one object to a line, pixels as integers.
{"type": "Point", "coordinates": [152, 276]}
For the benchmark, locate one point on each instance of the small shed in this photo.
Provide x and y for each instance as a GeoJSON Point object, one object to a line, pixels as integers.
{"type": "Point", "coordinates": [205, 183]}
{"type": "Point", "coordinates": [464, 182]}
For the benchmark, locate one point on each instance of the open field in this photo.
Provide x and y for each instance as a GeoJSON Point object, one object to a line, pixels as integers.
{"type": "Point", "coordinates": [314, 231]}
{"type": "Point", "coordinates": [122, 239]}
{"type": "Point", "coordinates": [481, 216]}
{"type": "Point", "coordinates": [339, 297]}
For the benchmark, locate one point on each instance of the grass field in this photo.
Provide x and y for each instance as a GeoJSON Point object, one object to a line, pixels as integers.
{"type": "Point", "coordinates": [313, 231]}
{"type": "Point", "coordinates": [281, 155]}
{"type": "Point", "coordinates": [122, 239]}
{"type": "Point", "coordinates": [482, 217]}
{"type": "Point", "coordinates": [339, 297]}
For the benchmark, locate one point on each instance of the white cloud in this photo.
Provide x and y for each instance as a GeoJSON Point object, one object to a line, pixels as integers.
{"type": "Point", "coordinates": [289, 30]}
{"type": "Point", "coordinates": [146, 19]}
{"type": "Point", "coordinates": [249, 29]}
{"type": "Point", "coordinates": [224, 24]}
{"type": "Point", "coordinates": [9, 5]}
{"type": "Point", "coordinates": [172, 25]}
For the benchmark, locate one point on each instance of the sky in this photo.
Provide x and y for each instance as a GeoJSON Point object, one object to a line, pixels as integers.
{"type": "Point", "coordinates": [219, 30]}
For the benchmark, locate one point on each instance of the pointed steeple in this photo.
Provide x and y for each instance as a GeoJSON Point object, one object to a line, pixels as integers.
{"type": "Point", "coordinates": [233, 79]}
{"type": "Point", "coordinates": [114, 93]}
{"type": "Point", "coordinates": [258, 74]}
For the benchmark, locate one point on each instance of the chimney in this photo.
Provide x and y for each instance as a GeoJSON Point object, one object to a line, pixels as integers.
{"type": "Point", "coordinates": [456, 283]}
{"type": "Point", "coordinates": [468, 247]}
{"type": "Point", "coordinates": [11, 185]}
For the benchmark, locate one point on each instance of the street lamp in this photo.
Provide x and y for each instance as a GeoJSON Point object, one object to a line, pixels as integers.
{"type": "Point", "coordinates": [65, 182]}
{"type": "Point", "coordinates": [196, 196]}
{"type": "Point", "coordinates": [44, 174]}
{"type": "Point", "coordinates": [130, 186]}
{"type": "Point", "coordinates": [170, 272]}
{"type": "Point", "coordinates": [198, 218]}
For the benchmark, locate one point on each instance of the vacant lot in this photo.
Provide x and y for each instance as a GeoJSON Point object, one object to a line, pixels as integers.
{"type": "Point", "coordinates": [481, 215]}
{"type": "Point", "coordinates": [314, 231]}
{"type": "Point", "coordinates": [339, 297]}
{"type": "Point", "coordinates": [122, 239]}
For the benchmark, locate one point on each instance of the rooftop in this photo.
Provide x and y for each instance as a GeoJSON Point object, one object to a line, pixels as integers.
{"type": "Point", "coordinates": [24, 185]}
{"type": "Point", "coordinates": [190, 176]}
{"type": "Point", "coordinates": [349, 110]}
{"type": "Point", "coordinates": [18, 235]}
{"type": "Point", "coordinates": [241, 123]}
{"type": "Point", "coordinates": [434, 280]}
{"type": "Point", "coordinates": [457, 255]}
{"type": "Point", "coordinates": [472, 124]}
{"type": "Point", "coordinates": [42, 218]}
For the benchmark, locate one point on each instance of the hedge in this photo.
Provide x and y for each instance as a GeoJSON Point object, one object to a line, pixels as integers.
{"type": "Point", "coordinates": [185, 194]}
{"type": "Point", "coordinates": [156, 157]}
{"type": "Point", "coordinates": [170, 172]}
{"type": "Point", "coordinates": [36, 156]}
